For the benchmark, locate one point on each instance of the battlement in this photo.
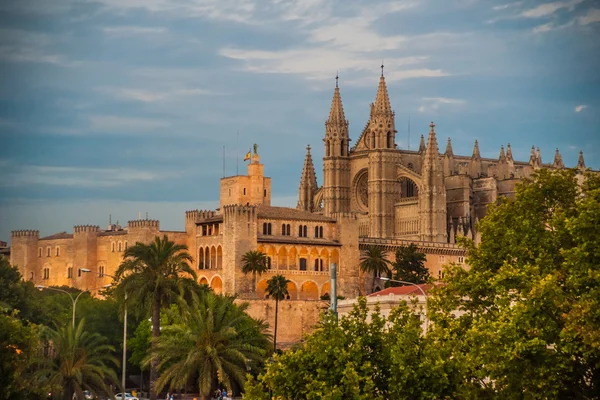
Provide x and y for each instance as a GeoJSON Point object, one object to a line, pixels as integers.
{"type": "Point", "coordinates": [199, 215]}
{"type": "Point", "coordinates": [144, 223]}
{"type": "Point", "coordinates": [25, 233]}
{"type": "Point", "coordinates": [238, 209]}
{"type": "Point", "coordinates": [86, 228]}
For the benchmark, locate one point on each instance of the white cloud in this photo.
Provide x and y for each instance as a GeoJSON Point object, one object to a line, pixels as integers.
{"type": "Point", "coordinates": [152, 96]}
{"type": "Point", "coordinates": [115, 124]}
{"type": "Point", "coordinates": [25, 46]}
{"type": "Point", "coordinates": [131, 30]}
{"type": "Point", "coordinates": [433, 104]}
{"type": "Point", "coordinates": [505, 6]}
{"type": "Point", "coordinates": [543, 28]}
{"type": "Point", "coordinates": [580, 108]}
{"type": "Point", "coordinates": [592, 16]}
{"type": "Point", "coordinates": [544, 10]}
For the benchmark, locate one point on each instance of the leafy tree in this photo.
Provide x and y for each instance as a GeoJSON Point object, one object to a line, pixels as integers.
{"type": "Point", "coordinates": [374, 260]}
{"type": "Point", "coordinates": [79, 361]}
{"type": "Point", "coordinates": [214, 341]}
{"type": "Point", "coordinates": [410, 265]}
{"type": "Point", "coordinates": [254, 262]}
{"type": "Point", "coordinates": [529, 307]}
{"type": "Point", "coordinates": [153, 276]}
{"type": "Point", "coordinates": [277, 289]}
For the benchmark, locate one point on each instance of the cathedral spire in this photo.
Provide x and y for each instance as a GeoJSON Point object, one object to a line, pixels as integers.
{"type": "Point", "coordinates": [382, 101]}
{"type": "Point", "coordinates": [336, 113]}
{"type": "Point", "coordinates": [432, 210]}
{"type": "Point", "coordinates": [532, 156]}
{"type": "Point", "coordinates": [580, 162]}
{"type": "Point", "coordinates": [558, 162]}
{"type": "Point", "coordinates": [432, 150]}
{"type": "Point", "coordinates": [449, 148]}
{"type": "Point", "coordinates": [422, 145]}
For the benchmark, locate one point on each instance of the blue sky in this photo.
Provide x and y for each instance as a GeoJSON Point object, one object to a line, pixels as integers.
{"type": "Point", "coordinates": [123, 106]}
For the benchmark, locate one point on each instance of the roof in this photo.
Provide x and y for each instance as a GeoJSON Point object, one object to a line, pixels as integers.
{"type": "Point", "coordinates": [60, 235]}
{"type": "Point", "coordinates": [113, 233]}
{"type": "Point", "coordinates": [269, 212]}
{"type": "Point", "coordinates": [407, 290]}
{"type": "Point", "coordinates": [296, 240]}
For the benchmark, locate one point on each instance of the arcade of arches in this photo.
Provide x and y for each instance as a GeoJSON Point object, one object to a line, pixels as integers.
{"type": "Point", "coordinates": [210, 257]}
{"type": "Point", "coordinates": [216, 283]}
{"type": "Point", "coordinates": [293, 258]}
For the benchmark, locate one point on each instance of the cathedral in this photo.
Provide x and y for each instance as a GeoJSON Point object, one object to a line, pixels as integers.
{"type": "Point", "coordinates": [422, 196]}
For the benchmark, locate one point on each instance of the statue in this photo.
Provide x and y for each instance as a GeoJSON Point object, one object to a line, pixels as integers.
{"type": "Point", "coordinates": [255, 148]}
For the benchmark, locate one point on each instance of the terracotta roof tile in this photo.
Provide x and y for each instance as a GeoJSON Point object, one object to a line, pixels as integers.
{"type": "Point", "coordinates": [403, 290]}
{"type": "Point", "coordinates": [60, 235]}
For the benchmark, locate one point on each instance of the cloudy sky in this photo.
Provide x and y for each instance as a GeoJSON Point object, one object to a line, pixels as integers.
{"type": "Point", "coordinates": [124, 106]}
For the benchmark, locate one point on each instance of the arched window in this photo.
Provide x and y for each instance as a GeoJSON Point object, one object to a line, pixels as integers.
{"type": "Point", "coordinates": [40, 252]}
{"type": "Point", "coordinates": [101, 271]}
{"type": "Point", "coordinates": [305, 231]}
{"type": "Point", "coordinates": [268, 262]}
{"type": "Point", "coordinates": [31, 276]}
{"type": "Point", "coordinates": [264, 228]}
{"type": "Point", "coordinates": [112, 245]}
{"type": "Point", "coordinates": [57, 251]}
{"type": "Point", "coordinates": [48, 252]}
{"type": "Point", "coordinates": [125, 245]}
{"type": "Point", "coordinates": [269, 228]}
{"type": "Point", "coordinates": [316, 231]}
{"type": "Point", "coordinates": [408, 188]}
{"type": "Point", "coordinates": [46, 273]}
{"type": "Point", "coordinates": [120, 246]}
{"type": "Point", "coordinates": [302, 264]}
{"type": "Point", "coordinates": [316, 264]}
{"type": "Point", "coordinates": [70, 272]}
{"type": "Point", "coordinates": [299, 230]}
{"type": "Point", "coordinates": [282, 229]}
{"type": "Point", "coordinates": [79, 273]}
{"type": "Point", "coordinates": [289, 232]}
{"type": "Point", "coordinates": [320, 231]}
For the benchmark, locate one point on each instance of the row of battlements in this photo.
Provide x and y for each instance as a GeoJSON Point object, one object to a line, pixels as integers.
{"type": "Point", "coordinates": [144, 223]}
{"type": "Point", "coordinates": [196, 215]}
{"type": "Point", "coordinates": [238, 209]}
{"type": "Point", "coordinates": [344, 215]}
{"type": "Point", "coordinates": [25, 233]}
{"type": "Point", "coordinates": [85, 228]}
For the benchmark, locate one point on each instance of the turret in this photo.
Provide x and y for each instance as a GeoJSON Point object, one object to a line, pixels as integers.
{"type": "Point", "coordinates": [308, 184]}
{"type": "Point", "coordinates": [422, 145]}
{"type": "Point", "coordinates": [24, 253]}
{"type": "Point", "coordinates": [580, 162]}
{"type": "Point", "coordinates": [432, 199]}
{"type": "Point", "coordinates": [336, 163]}
{"type": "Point", "coordinates": [449, 159]}
{"type": "Point", "coordinates": [502, 169]}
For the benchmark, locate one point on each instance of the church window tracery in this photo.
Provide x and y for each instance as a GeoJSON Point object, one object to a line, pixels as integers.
{"type": "Point", "coordinates": [408, 188]}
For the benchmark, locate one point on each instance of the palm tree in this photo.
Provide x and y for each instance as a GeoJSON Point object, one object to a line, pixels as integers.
{"type": "Point", "coordinates": [79, 361]}
{"type": "Point", "coordinates": [151, 276]}
{"type": "Point", "coordinates": [256, 262]}
{"type": "Point", "coordinates": [215, 341]}
{"type": "Point", "coordinates": [277, 289]}
{"type": "Point", "coordinates": [374, 259]}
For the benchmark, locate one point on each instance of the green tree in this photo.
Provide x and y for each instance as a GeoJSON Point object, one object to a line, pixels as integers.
{"type": "Point", "coordinates": [254, 262]}
{"type": "Point", "coordinates": [215, 341]}
{"type": "Point", "coordinates": [410, 265]}
{"type": "Point", "coordinates": [529, 306]}
{"type": "Point", "coordinates": [277, 289]}
{"type": "Point", "coordinates": [374, 260]}
{"type": "Point", "coordinates": [154, 276]}
{"type": "Point", "coordinates": [79, 361]}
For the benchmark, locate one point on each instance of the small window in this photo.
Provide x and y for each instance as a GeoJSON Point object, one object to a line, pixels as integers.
{"type": "Point", "coordinates": [40, 252]}
{"type": "Point", "coordinates": [316, 231]}
{"type": "Point", "coordinates": [48, 252]}
{"type": "Point", "coordinates": [79, 273]}
{"type": "Point", "coordinates": [112, 245]}
{"type": "Point", "coordinates": [302, 264]}
{"type": "Point", "coordinates": [305, 231]}
{"type": "Point", "coordinates": [282, 229]}
{"type": "Point", "coordinates": [289, 232]}
{"type": "Point", "coordinates": [461, 259]}
{"type": "Point", "coordinates": [101, 271]}
{"type": "Point", "coordinates": [316, 264]}
{"type": "Point", "coordinates": [264, 228]}
{"type": "Point", "coordinates": [46, 273]}
{"type": "Point", "coordinates": [269, 228]}
{"type": "Point", "coordinates": [70, 272]}
{"type": "Point", "coordinates": [120, 246]}
{"type": "Point", "coordinates": [300, 231]}
{"type": "Point", "coordinates": [265, 193]}
{"type": "Point", "coordinates": [320, 231]}
{"type": "Point", "coordinates": [57, 251]}
{"type": "Point", "coordinates": [244, 191]}
{"type": "Point", "coordinates": [442, 259]}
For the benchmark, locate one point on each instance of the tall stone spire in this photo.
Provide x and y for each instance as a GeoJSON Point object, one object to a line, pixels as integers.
{"type": "Point", "coordinates": [383, 131]}
{"type": "Point", "coordinates": [510, 162]}
{"type": "Point", "coordinates": [580, 162]}
{"type": "Point", "coordinates": [558, 162]}
{"type": "Point", "coordinates": [502, 156]}
{"type": "Point", "coordinates": [475, 162]}
{"type": "Point", "coordinates": [532, 156]}
{"type": "Point", "coordinates": [422, 145]}
{"type": "Point", "coordinates": [432, 212]}
{"type": "Point", "coordinates": [382, 100]}
{"type": "Point", "coordinates": [308, 184]}
{"type": "Point", "coordinates": [538, 157]}
{"type": "Point", "coordinates": [336, 163]}
{"type": "Point", "coordinates": [509, 156]}
{"type": "Point", "coordinates": [448, 159]}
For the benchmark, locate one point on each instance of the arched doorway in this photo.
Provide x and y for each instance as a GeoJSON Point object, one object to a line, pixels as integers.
{"type": "Point", "coordinates": [309, 291]}
{"type": "Point", "coordinates": [217, 285]}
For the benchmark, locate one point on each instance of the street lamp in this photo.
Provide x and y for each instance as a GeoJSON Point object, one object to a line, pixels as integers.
{"type": "Point", "coordinates": [124, 333]}
{"type": "Point", "coordinates": [73, 300]}
{"type": "Point", "coordinates": [383, 278]}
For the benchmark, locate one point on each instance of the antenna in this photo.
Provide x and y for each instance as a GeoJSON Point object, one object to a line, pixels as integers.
{"type": "Point", "coordinates": [223, 161]}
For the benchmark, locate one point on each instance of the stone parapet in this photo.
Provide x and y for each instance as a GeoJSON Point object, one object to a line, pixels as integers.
{"type": "Point", "coordinates": [144, 223]}
{"type": "Point", "coordinates": [30, 233]}
{"type": "Point", "coordinates": [86, 228]}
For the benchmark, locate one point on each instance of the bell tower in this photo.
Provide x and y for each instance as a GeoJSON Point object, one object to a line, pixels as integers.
{"type": "Point", "coordinates": [383, 186]}
{"type": "Point", "coordinates": [336, 163]}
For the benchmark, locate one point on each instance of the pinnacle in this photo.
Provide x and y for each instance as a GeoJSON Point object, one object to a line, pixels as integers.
{"type": "Point", "coordinates": [502, 157]}
{"type": "Point", "coordinates": [422, 145]}
{"type": "Point", "coordinates": [382, 101]}
{"type": "Point", "coordinates": [580, 162]}
{"type": "Point", "coordinates": [336, 114]}
{"type": "Point", "coordinates": [558, 162]}
{"type": "Point", "coordinates": [432, 146]}
{"type": "Point", "coordinates": [308, 171]}
{"type": "Point", "coordinates": [476, 150]}
{"type": "Point", "coordinates": [509, 155]}
{"type": "Point", "coordinates": [449, 148]}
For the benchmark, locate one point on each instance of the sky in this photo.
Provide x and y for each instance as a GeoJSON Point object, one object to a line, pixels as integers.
{"type": "Point", "coordinates": [122, 107]}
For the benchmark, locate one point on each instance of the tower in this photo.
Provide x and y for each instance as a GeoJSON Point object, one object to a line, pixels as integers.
{"type": "Point", "coordinates": [308, 184]}
{"type": "Point", "coordinates": [336, 163]}
{"type": "Point", "coordinates": [383, 187]}
{"type": "Point", "coordinates": [432, 198]}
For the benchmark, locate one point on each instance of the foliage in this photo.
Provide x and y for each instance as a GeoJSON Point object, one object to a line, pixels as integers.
{"type": "Point", "coordinates": [154, 276]}
{"type": "Point", "coordinates": [529, 307]}
{"type": "Point", "coordinates": [139, 344]}
{"type": "Point", "coordinates": [216, 341]}
{"type": "Point", "coordinates": [254, 262]}
{"type": "Point", "coordinates": [79, 361]}
{"type": "Point", "coordinates": [374, 260]}
{"type": "Point", "coordinates": [410, 265]}
{"type": "Point", "coordinates": [19, 346]}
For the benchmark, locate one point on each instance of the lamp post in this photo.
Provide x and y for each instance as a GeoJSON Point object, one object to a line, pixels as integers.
{"type": "Point", "coordinates": [383, 278]}
{"type": "Point", "coordinates": [73, 300]}
{"type": "Point", "coordinates": [124, 333]}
